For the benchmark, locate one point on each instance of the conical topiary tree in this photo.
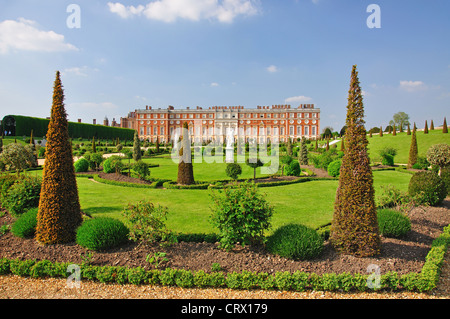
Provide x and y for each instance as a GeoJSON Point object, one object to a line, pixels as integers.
{"type": "Point", "coordinates": [136, 147]}
{"type": "Point", "coordinates": [413, 152]}
{"type": "Point", "coordinates": [355, 227]}
{"type": "Point", "coordinates": [425, 130]}
{"type": "Point", "coordinates": [408, 132]}
{"type": "Point", "coordinates": [59, 212]}
{"type": "Point", "coordinates": [303, 153]}
{"type": "Point", "coordinates": [444, 127]}
{"type": "Point", "coordinates": [185, 170]}
{"type": "Point", "coordinates": [381, 131]}
{"type": "Point", "coordinates": [431, 126]}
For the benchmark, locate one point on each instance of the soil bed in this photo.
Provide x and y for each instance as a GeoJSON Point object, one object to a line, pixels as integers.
{"type": "Point", "coordinates": [400, 255]}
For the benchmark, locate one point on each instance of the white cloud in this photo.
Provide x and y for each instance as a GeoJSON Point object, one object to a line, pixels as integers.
{"type": "Point", "coordinates": [272, 69]}
{"type": "Point", "coordinates": [78, 71]}
{"type": "Point", "coordinates": [412, 86]}
{"type": "Point", "coordinates": [298, 99]}
{"type": "Point", "coordinates": [24, 35]}
{"type": "Point", "coordinates": [214, 84]}
{"type": "Point", "coordinates": [194, 10]}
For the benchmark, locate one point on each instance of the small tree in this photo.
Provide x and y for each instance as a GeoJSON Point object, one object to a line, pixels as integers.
{"type": "Point", "coordinates": [303, 154]}
{"type": "Point", "coordinates": [408, 132]}
{"type": "Point", "coordinates": [431, 126]}
{"type": "Point", "coordinates": [444, 126]}
{"type": "Point", "coordinates": [16, 156]}
{"type": "Point", "coordinates": [157, 145]}
{"type": "Point", "coordinates": [381, 131]}
{"type": "Point", "coordinates": [241, 215]}
{"type": "Point", "coordinates": [254, 164]}
{"type": "Point", "coordinates": [425, 130]}
{"type": "Point", "coordinates": [413, 151]}
{"type": "Point", "coordinates": [94, 148]}
{"type": "Point", "coordinates": [136, 147]}
{"type": "Point", "coordinates": [289, 147]}
{"type": "Point", "coordinates": [141, 169]}
{"type": "Point", "coordinates": [394, 131]}
{"type": "Point", "coordinates": [233, 170]}
{"type": "Point", "coordinates": [439, 155]}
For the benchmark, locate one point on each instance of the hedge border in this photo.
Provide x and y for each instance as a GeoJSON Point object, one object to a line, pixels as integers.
{"type": "Point", "coordinates": [154, 184]}
{"type": "Point", "coordinates": [424, 281]}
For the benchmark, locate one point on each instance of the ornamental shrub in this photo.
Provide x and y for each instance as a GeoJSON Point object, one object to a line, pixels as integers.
{"type": "Point", "coordinates": [59, 212]}
{"type": "Point", "coordinates": [141, 168]}
{"type": "Point", "coordinates": [387, 160]}
{"type": "Point", "coordinates": [439, 154]}
{"type": "Point", "coordinates": [296, 242]}
{"type": "Point", "coordinates": [113, 164]}
{"type": "Point", "coordinates": [293, 169]}
{"type": "Point", "coordinates": [354, 227]}
{"type": "Point", "coordinates": [25, 225]}
{"type": "Point", "coordinates": [240, 214]}
{"type": "Point", "coordinates": [392, 223]}
{"type": "Point", "coordinates": [334, 167]}
{"type": "Point", "coordinates": [22, 195]}
{"type": "Point", "coordinates": [81, 165]}
{"type": "Point", "coordinates": [445, 175]}
{"type": "Point", "coordinates": [233, 170]}
{"type": "Point", "coordinates": [146, 222]}
{"type": "Point", "coordinates": [427, 187]}
{"type": "Point", "coordinates": [101, 233]}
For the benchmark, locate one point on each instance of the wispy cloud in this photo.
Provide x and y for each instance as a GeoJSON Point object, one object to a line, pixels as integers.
{"type": "Point", "coordinates": [412, 86]}
{"type": "Point", "coordinates": [78, 71]}
{"type": "Point", "coordinates": [194, 10]}
{"type": "Point", "coordinates": [272, 69]}
{"type": "Point", "coordinates": [298, 99]}
{"type": "Point", "coordinates": [24, 35]}
{"type": "Point", "coordinates": [214, 84]}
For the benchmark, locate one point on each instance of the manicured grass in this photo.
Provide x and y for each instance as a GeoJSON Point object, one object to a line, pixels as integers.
{"type": "Point", "coordinates": [309, 203]}
{"type": "Point", "coordinates": [402, 143]}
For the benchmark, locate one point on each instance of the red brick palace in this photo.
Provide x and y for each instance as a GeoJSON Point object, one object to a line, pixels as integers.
{"type": "Point", "coordinates": [214, 123]}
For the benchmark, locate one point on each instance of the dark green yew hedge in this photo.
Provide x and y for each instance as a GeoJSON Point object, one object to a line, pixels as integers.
{"type": "Point", "coordinates": [297, 281]}
{"type": "Point", "coordinates": [24, 125]}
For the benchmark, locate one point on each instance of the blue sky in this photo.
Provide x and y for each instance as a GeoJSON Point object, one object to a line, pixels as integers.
{"type": "Point", "coordinates": [128, 54]}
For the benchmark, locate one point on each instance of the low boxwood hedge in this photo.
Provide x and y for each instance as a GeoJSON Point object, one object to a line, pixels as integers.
{"type": "Point", "coordinates": [296, 281]}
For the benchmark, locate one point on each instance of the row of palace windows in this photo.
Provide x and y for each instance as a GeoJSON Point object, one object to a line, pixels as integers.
{"type": "Point", "coordinates": [226, 115]}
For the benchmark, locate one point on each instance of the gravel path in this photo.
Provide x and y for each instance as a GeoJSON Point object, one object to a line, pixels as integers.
{"type": "Point", "coordinates": [15, 287]}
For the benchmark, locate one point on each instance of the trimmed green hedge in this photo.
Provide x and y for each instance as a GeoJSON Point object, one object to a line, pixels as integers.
{"type": "Point", "coordinates": [297, 281]}
{"type": "Point", "coordinates": [154, 184]}
{"type": "Point", "coordinates": [24, 125]}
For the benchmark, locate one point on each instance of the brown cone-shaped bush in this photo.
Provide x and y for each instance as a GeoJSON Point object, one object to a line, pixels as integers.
{"type": "Point", "coordinates": [355, 226]}
{"type": "Point", "coordinates": [59, 212]}
{"type": "Point", "coordinates": [185, 170]}
{"type": "Point", "coordinates": [413, 152]}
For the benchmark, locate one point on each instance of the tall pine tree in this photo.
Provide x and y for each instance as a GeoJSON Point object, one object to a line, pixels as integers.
{"type": "Point", "coordinates": [59, 212]}
{"type": "Point", "coordinates": [355, 226]}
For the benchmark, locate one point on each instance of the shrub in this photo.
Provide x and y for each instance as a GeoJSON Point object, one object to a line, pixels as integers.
{"type": "Point", "coordinates": [141, 169]}
{"type": "Point", "coordinates": [445, 175]}
{"type": "Point", "coordinates": [439, 154]}
{"type": "Point", "coordinates": [428, 187]}
{"type": "Point", "coordinates": [22, 195]}
{"type": "Point", "coordinates": [293, 169]}
{"type": "Point", "coordinates": [81, 165]}
{"type": "Point", "coordinates": [391, 197]}
{"type": "Point", "coordinates": [422, 163]}
{"type": "Point", "coordinates": [17, 156]}
{"type": "Point", "coordinates": [25, 225]}
{"type": "Point", "coordinates": [334, 167]}
{"type": "Point", "coordinates": [392, 223]}
{"type": "Point", "coordinates": [233, 170]}
{"type": "Point", "coordinates": [113, 164]}
{"type": "Point", "coordinates": [101, 233]}
{"type": "Point", "coordinates": [387, 160]}
{"type": "Point", "coordinates": [240, 214]}
{"type": "Point", "coordinates": [296, 242]}
{"type": "Point", "coordinates": [146, 222]}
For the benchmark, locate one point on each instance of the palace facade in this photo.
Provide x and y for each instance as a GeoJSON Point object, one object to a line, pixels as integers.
{"type": "Point", "coordinates": [217, 122]}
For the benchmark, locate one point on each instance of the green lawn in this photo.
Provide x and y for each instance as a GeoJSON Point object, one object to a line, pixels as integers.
{"type": "Point", "coordinates": [309, 203]}
{"type": "Point", "coordinates": [402, 143]}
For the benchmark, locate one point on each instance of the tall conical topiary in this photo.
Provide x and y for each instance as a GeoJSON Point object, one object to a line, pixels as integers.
{"type": "Point", "coordinates": [408, 132]}
{"type": "Point", "coordinates": [185, 170]}
{"type": "Point", "coordinates": [444, 127]}
{"type": "Point", "coordinates": [381, 131]}
{"type": "Point", "coordinates": [59, 212]}
{"type": "Point", "coordinates": [425, 130]}
{"type": "Point", "coordinates": [355, 227]}
{"type": "Point", "coordinates": [413, 152]}
{"type": "Point", "coordinates": [303, 153]}
{"type": "Point", "coordinates": [432, 126]}
{"type": "Point", "coordinates": [137, 155]}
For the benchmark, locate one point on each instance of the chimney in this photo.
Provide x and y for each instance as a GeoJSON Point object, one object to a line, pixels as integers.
{"type": "Point", "coordinates": [94, 121]}
{"type": "Point", "coordinates": [79, 120]}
